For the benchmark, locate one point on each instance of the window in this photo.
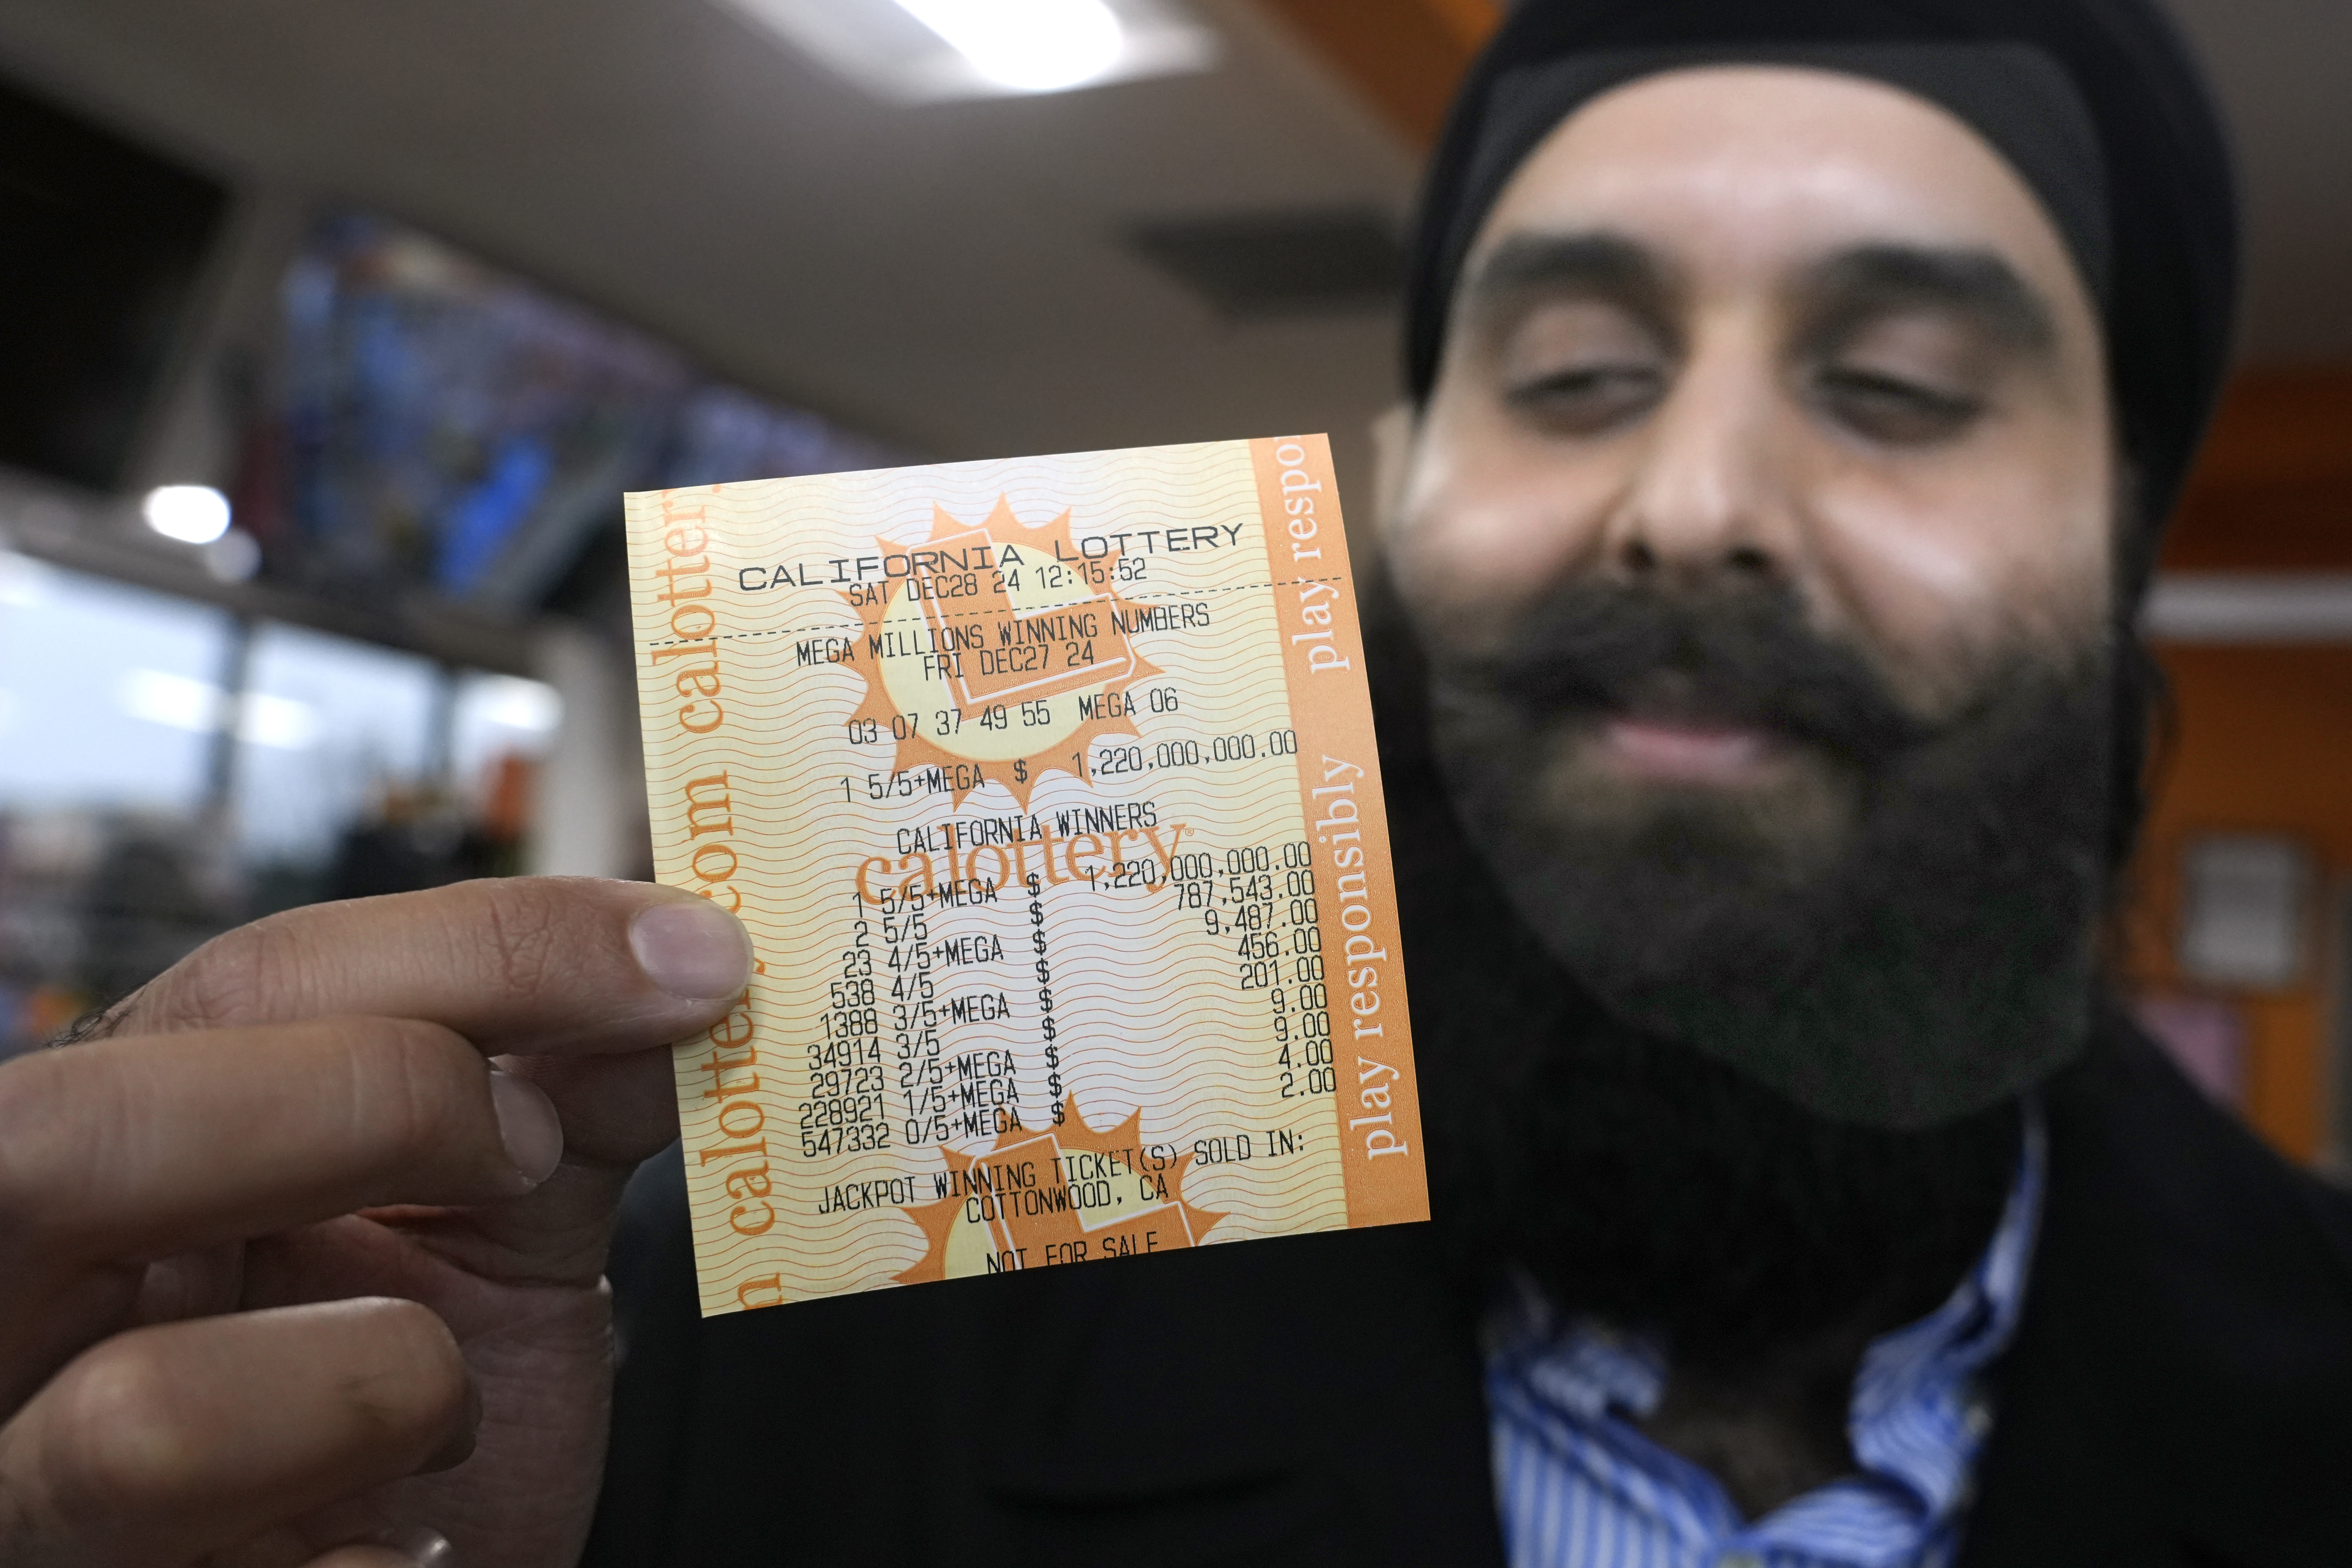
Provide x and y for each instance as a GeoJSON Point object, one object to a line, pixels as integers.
{"type": "Point", "coordinates": [328, 728]}
{"type": "Point", "coordinates": [110, 696]}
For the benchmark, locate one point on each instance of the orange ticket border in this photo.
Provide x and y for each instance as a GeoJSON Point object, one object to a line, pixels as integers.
{"type": "Point", "coordinates": [1347, 814]}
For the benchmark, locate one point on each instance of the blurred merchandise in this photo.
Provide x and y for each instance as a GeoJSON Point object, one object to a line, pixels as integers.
{"type": "Point", "coordinates": [47, 1009]}
{"type": "Point", "coordinates": [415, 840]}
{"type": "Point", "coordinates": [92, 904]}
{"type": "Point", "coordinates": [186, 770]}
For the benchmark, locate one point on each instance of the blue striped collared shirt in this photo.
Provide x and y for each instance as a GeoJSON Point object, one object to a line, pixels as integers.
{"type": "Point", "coordinates": [1579, 1486]}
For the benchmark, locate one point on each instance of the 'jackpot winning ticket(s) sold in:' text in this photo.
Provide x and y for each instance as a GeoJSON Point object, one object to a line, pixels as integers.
{"type": "Point", "coordinates": [1048, 793]}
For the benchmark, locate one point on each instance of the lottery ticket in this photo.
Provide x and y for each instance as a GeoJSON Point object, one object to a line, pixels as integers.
{"type": "Point", "coordinates": [1047, 791]}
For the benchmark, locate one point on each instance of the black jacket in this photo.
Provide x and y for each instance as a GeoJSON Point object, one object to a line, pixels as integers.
{"type": "Point", "coordinates": [2179, 1390]}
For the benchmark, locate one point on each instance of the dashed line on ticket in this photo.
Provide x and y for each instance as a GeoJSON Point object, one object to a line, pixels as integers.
{"type": "Point", "coordinates": [1047, 790]}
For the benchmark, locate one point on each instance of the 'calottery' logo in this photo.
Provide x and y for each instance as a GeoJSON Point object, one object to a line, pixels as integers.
{"type": "Point", "coordinates": [1003, 652]}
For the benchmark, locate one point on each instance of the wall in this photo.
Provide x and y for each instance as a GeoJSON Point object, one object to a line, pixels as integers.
{"type": "Point", "coordinates": [2264, 743]}
{"type": "Point", "coordinates": [2263, 733]}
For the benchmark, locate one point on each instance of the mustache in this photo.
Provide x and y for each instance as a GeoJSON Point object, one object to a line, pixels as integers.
{"type": "Point", "coordinates": [1743, 657]}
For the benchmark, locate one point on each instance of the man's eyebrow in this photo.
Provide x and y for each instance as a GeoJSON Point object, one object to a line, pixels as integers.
{"type": "Point", "coordinates": [1857, 285]}
{"type": "Point", "coordinates": [1598, 263]}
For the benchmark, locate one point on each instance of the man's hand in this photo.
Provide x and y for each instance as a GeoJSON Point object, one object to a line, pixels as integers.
{"type": "Point", "coordinates": [301, 1253]}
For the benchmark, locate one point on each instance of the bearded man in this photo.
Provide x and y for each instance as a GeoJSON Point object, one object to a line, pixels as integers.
{"type": "Point", "coordinates": [1800, 387]}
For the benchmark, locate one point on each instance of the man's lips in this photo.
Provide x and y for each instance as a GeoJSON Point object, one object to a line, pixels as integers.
{"type": "Point", "coordinates": [1685, 751]}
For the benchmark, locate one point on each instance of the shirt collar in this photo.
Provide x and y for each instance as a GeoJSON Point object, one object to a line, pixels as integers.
{"type": "Point", "coordinates": [1917, 1419]}
{"type": "Point", "coordinates": [1918, 1416]}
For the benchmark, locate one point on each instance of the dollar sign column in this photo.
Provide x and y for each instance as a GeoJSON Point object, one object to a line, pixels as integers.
{"type": "Point", "coordinates": [1046, 1028]}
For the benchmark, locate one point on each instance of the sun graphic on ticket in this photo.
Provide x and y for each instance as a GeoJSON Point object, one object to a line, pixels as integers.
{"type": "Point", "coordinates": [1048, 791]}
{"type": "Point", "coordinates": [1017, 626]}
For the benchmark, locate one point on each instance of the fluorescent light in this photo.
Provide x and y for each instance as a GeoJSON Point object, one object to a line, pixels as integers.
{"type": "Point", "coordinates": [174, 701]}
{"type": "Point", "coordinates": [1028, 46]}
{"type": "Point", "coordinates": [279, 723]}
{"type": "Point", "coordinates": [514, 703]}
{"type": "Point", "coordinates": [179, 702]}
{"type": "Point", "coordinates": [933, 51]}
{"type": "Point", "coordinates": [2249, 607]}
{"type": "Point", "coordinates": [192, 514]}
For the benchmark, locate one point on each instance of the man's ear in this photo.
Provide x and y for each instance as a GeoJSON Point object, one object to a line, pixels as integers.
{"type": "Point", "coordinates": [1393, 433]}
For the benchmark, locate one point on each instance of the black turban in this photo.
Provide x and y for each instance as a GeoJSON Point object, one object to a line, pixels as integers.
{"type": "Point", "coordinates": [2095, 103]}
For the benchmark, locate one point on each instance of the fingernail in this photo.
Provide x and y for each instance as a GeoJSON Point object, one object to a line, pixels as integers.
{"type": "Point", "coordinates": [528, 1125]}
{"type": "Point", "coordinates": [425, 1548]}
{"type": "Point", "coordinates": [692, 948]}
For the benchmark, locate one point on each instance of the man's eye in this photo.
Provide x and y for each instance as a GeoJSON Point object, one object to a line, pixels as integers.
{"type": "Point", "coordinates": [1586, 399]}
{"type": "Point", "coordinates": [1892, 409]}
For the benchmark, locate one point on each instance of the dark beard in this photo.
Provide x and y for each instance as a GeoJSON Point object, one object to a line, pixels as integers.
{"type": "Point", "coordinates": [1630, 1176]}
{"type": "Point", "coordinates": [1626, 1174]}
{"type": "Point", "coordinates": [1898, 931]}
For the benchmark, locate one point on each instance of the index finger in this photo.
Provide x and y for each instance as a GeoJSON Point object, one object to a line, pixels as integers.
{"type": "Point", "coordinates": [522, 965]}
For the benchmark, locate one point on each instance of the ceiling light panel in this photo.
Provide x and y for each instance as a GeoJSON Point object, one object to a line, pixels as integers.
{"type": "Point", "coordinates": [930, 51]}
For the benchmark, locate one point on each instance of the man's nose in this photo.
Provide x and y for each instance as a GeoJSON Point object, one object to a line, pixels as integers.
{"type": "Point", "coordinates": [1710, 499]}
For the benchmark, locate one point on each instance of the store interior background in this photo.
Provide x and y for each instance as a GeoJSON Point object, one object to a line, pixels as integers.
{"type": "Point", "coordinates": [417, 289]}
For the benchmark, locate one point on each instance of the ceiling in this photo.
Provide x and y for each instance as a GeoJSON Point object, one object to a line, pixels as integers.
{"type": "Point", "coordinates": [2280, 67]}
{"type": "Point", "coordinates": [954, 278]}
